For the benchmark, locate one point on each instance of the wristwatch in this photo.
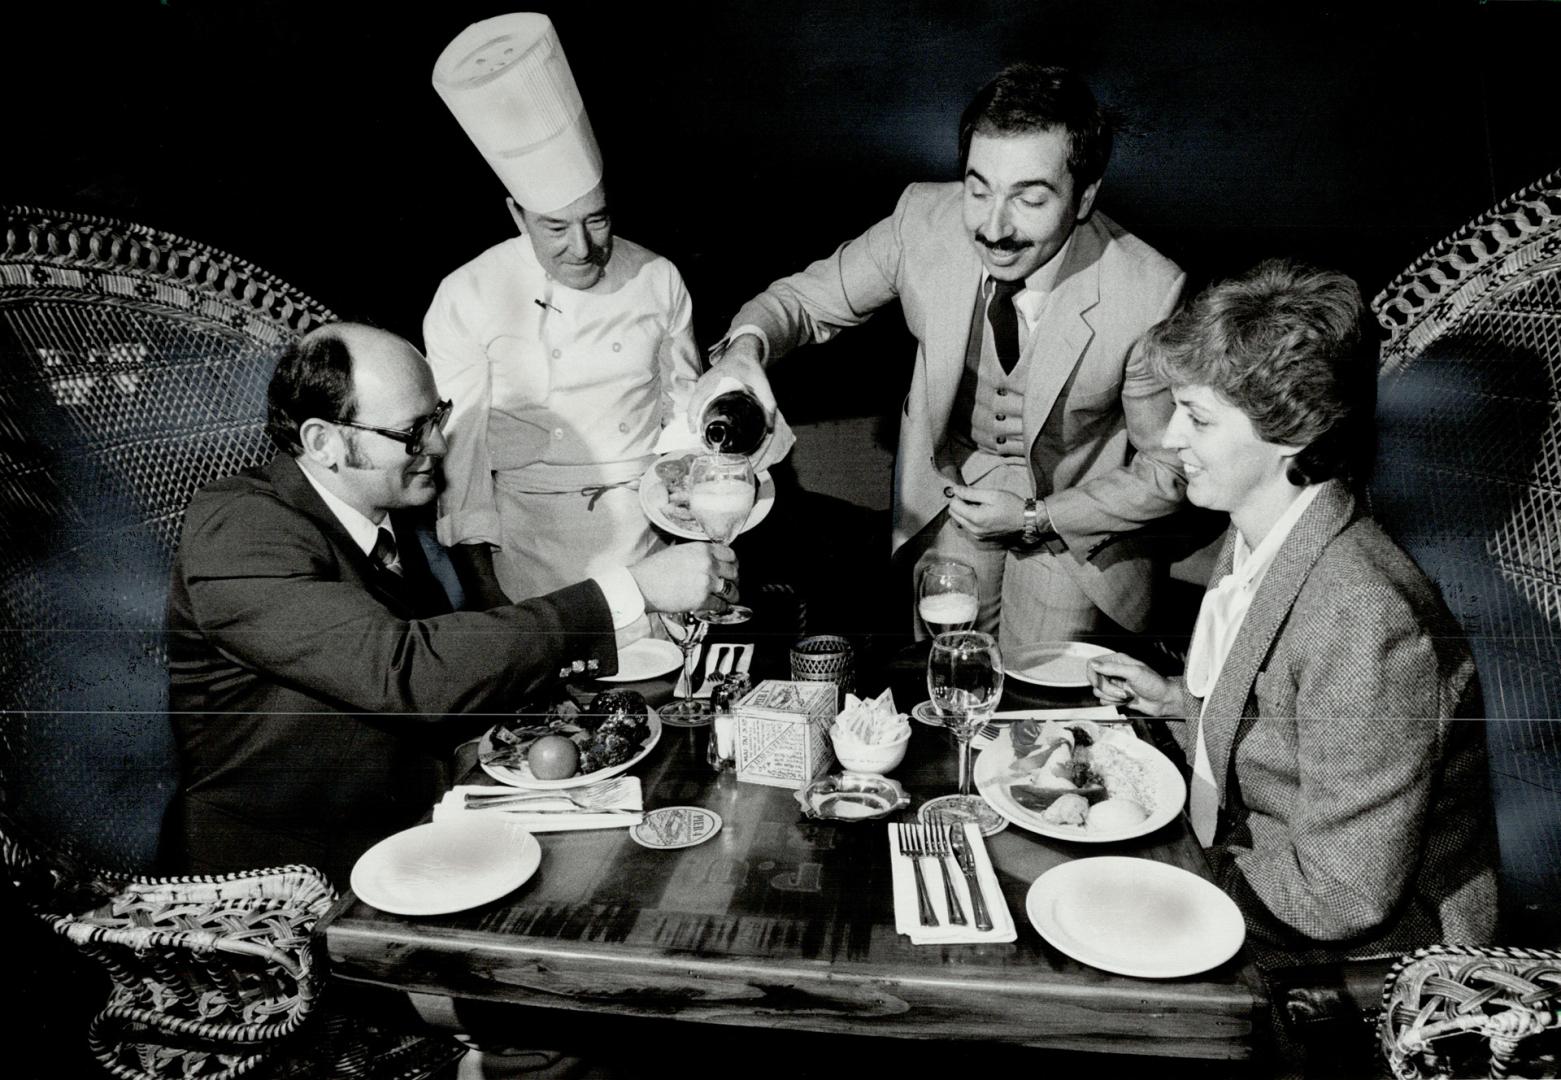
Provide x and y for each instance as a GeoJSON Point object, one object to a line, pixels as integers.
{"type": "Point", "coordinates": [1030, 535]}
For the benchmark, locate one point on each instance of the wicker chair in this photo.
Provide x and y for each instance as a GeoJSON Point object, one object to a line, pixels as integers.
{"type": "Point", "coordinates": [133, 367]}
{"type": "Point", "coordinates": [1469, 481]}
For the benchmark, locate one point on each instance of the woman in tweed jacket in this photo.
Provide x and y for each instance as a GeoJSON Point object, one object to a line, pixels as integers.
{"type": "Point", "coordinates": [1344, 805]}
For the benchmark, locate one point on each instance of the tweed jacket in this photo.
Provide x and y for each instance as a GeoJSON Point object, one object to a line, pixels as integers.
{"type": "Point", "coordinates": [1355, 811]}
{"type": "Point", "coordinates": [309, 693]}
{"type": "Point", "coordinates": [1093, 412]}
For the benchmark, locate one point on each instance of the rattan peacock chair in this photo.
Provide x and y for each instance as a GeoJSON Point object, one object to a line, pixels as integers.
{"type": "Point", "coordinates": [133, 367]}
{"type": "Point", "coordinates": [1469, 481]}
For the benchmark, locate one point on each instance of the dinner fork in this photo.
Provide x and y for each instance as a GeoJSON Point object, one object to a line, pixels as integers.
{"type": "Point", "coordinates": [597, 797]}
{"type": "Point", "coordinates": [908, 849]}
{"type": "Point", "coordinates": [937, 845]}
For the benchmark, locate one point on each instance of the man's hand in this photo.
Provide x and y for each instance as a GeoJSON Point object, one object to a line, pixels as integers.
{"type": "Point", "coordinates": [688, 577]}
{"type": "Point", "coordinates": [1118, 679]}
{"type": "Point", "coordinates": [740, 361]}
{"type": "Point", "coordinates": [985, 514]}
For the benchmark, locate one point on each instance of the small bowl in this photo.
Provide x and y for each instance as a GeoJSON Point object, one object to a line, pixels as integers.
{"type": "Point", "coordinates": [863, 757]}
{"type": "Point", "coordinates": [852, 796]}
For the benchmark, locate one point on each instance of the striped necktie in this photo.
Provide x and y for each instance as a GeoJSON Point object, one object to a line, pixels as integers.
{"type": "Point", "coordinates": [384, 552]}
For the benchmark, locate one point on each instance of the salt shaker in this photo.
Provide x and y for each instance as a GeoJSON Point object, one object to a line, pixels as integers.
{"type": "Point", "coordinates": [724, 696]}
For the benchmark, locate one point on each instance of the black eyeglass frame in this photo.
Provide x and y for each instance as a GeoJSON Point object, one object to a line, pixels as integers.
{"type": "Point", "coordinates": [414, 438]}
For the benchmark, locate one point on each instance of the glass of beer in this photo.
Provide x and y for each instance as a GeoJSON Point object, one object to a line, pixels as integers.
{"type": "Point", "coordinates": [721, 489]}
{"type": "Point", "coordinates": [947, 597]}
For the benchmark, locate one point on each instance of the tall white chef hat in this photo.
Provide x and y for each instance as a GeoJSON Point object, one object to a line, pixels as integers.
{"type": "Point", "coordinates": [509, 86]}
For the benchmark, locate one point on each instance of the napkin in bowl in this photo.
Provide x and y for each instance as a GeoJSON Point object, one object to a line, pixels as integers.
{"type": "Point", "coordinates": [561, 815]}
{"type": "Point", "coordinates": [906, 919]}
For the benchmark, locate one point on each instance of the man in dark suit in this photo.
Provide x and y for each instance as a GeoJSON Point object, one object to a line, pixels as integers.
{"type": "Point", "coordinates": [315, 666]}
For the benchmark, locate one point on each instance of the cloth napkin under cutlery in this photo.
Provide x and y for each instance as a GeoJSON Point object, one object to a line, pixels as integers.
{"type": "Point", "coordinates": [906, 918]}
{"type": "Point", "coordinates": [548, 811]}
{"type": "Point", "coordinates": [727, 656]}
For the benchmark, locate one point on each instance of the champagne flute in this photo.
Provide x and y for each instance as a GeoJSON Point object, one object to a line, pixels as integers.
{"type": "Point", "coordinates": [965, 679]}
{"type": "Point", "coordinates": [685, 711]}
{"type": "Point", "coordinates": [947, 596]}
{"type": "Point", "coordinates": [720, 496]}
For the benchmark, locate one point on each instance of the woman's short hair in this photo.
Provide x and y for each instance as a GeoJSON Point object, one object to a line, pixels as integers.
{"type": "Point", "coordinates": [313, 378]}
{"type": "Point", "coordinates": [1283, 344]}
{"type": "Point", "coordinates": [1029, 97]}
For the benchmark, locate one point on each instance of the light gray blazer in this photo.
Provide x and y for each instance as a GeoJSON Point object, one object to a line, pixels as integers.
{"type": "Point", "coordinates": [1355, 807]}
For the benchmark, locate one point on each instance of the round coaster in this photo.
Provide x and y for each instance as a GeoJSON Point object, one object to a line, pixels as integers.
{"type": "Point", "coordinates": [954, 809]}
{"type": "Point", "coordinates": [676, 827]}
{"type": "Point", "coordinates": [928, 714]}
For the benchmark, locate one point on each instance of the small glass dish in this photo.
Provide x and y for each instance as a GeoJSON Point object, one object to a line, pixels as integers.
{"type": "Point", "coordinates": [852, 796]}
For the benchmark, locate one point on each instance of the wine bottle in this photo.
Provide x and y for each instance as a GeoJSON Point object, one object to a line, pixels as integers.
{"type": "Point", "coordinates": [733, 423]}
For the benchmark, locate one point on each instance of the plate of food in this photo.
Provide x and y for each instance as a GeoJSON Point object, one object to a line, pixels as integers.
{"type": "Point", "coordinates": [1052, 663]}
{"type": "Point", "coordinates": [444, 866]}
{"type": "Point", "coordinates": [664, 496]}
{"type": "Point", "coordinates": [1079, 780]}
{"type": "Point", "coordinates": [568, 746]}
{"type": "Point", "coordinates": [1135, 917]}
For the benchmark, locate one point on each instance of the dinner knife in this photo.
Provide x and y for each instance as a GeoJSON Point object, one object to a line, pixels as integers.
{"type": "Point", "coordinates": [702, 671]}
{"type": "Point", "coordinates": [967, 866]}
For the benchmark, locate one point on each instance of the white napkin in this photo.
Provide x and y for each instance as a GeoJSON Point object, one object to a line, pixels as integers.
{"type": "Point", "coordinates": [744, 659]}
{"type": "Point", "coordinates": [992, 732]}
{"type": "Point", "coordinates": [906, 918]}
{"type": "Point", "coordinates": [630, 797]}
{"type": "Point", "coordinates": [677, 436]}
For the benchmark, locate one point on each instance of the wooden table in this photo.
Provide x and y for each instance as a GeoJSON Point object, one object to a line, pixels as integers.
{"type": "Point", "coordinates": [779, 922]}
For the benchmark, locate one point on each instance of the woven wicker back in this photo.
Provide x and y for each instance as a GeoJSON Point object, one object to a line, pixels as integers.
{"type": "Point", "coordinates": [1469, 480]}
{"type": "Point", "coordinates": [133, 367]}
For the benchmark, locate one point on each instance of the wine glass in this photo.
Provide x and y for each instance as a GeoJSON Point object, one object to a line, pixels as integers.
{"type": "Point", "coordinates": [720, 496]}
{"type": "Point", "coordinates": [965, 679]}
{"type": "Point", "coordinates": [685, 711]}
{"type": "Point", "coordinates": [947, 597]}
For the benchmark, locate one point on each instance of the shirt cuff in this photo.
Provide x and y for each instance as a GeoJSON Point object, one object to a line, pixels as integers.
{"type": "Point", "coordinates": [468, 527]}
{"type": "Point", "coordinates": [751, 330]}
{"type": "Point", "coordinates": [624, 599]}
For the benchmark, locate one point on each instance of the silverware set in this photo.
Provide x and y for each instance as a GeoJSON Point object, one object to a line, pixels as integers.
{"type": "Point", "coordinates": [720, 660]}
{"type": "Point", "coordinates": [596, 799]}
{"type": "Point", "coordinates": [918, 842]}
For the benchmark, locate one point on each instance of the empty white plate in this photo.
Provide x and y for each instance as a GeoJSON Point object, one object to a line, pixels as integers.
{"type": "Point", "coordinates": [645, 659]}
{"type": "Point", "coordinates": [446, 866]}
{"type": "Point", "coordinates": [1052, 663]}
{"type": "Point", "coordinates": [1135, 917]}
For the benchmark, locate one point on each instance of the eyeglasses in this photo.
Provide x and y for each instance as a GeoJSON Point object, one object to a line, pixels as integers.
{"type": "Point", "coordinates": [414, 438]}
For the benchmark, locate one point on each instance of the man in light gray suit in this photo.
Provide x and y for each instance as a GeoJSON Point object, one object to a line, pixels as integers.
{"type": "Point", "coordinates": [1029, 441]}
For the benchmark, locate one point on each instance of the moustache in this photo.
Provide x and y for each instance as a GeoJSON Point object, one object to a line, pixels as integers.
{"type": "Point", "coordinates": [1005, 246]}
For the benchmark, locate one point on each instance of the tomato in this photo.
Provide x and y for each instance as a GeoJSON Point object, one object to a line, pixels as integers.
{"type": "Point", "coordinates": [553, 757]}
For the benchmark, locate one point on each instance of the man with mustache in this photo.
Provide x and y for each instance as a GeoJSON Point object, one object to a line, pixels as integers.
{"type": "Point", "coordinates": [562, 349]}
{"type": "Point", "coordinates": [1029, 440]}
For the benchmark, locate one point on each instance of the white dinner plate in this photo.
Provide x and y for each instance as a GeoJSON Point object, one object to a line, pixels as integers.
{"type": "Point", "coordinates": [520, 776]}
{"type": "Point", "coordinates": [645, 659]}
{"type": "Point", "coordinates": [446, 866]}
{"type": "Point", "coordinates": [653, 500]}
{"type": "Point", "coordinates": [1052, 663]}
{"type": "Point", "coordinates": [1165, 783]}
{"type": "Point", "coordinates": [1135, 917]}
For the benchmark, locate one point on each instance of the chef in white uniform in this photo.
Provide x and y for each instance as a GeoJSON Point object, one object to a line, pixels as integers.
{"type": "Point", "coordinates": [563, 348]}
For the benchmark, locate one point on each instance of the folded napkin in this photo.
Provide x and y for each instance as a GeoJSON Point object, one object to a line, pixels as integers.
{"type": "Point", "coordinates": [729, 663]}
{"type": "Point", "coordinates": [906, 919]}
{"type": "Point", "coordinates": [563, 815]}
{"type": "Point", "coordinates": [677, 435]}
{"type": "Point", "coordinates": [994, 731]}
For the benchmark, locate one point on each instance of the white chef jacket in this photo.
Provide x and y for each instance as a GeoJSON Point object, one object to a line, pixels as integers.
{"type": "Point", "coordinates": [558, 394]}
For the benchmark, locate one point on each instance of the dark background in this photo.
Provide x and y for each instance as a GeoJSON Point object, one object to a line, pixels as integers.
{"type": "Point", "coordinates": [744, 139]}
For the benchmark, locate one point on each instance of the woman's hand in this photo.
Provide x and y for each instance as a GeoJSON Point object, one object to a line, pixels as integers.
{"type": "Point", "coordinates": [1118, 679]}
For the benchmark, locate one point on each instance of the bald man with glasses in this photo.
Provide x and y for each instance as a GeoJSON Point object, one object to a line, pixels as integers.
{"type": "Point", "coordinates": [317, 675]}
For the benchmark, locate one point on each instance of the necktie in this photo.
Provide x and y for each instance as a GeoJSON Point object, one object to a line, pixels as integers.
{"type": "Point", "coordinates": [1004, 321]}
{"type": "Point", "coordinates": [384, 552]}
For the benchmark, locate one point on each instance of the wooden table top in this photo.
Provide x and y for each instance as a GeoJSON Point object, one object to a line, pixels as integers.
{"type": "Point", "coordinates": [779, 921]}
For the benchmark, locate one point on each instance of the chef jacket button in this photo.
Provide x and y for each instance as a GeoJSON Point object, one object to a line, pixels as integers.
{"type": "Point", "coordinates": [623, 429]}
{"type": "Point", "coordinates": [1002, 438]}
{"type": "Point", "coordinates": [557, 353]}
{"type": "Point", "coordinates": [617, 346]}
{"type": "Point", "coordinates": [1001, 392]}
{"type": "Point", "coordinates": [558, 433]}
{"type": "Point", "coordinates": [1000, 416]}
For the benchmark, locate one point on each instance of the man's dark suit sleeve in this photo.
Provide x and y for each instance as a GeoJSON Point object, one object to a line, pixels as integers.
{"type": "Point", "coordinates": [266, 587]}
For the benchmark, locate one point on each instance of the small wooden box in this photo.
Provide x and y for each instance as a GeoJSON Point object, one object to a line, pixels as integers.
{"type": "Point", "coordinates": [782, 733]}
